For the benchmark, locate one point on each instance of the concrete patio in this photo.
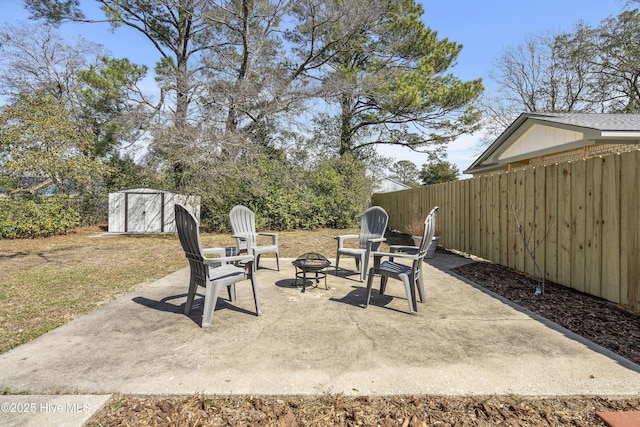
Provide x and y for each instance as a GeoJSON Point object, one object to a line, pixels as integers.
{"type": "Point", "coordinates": [463, 341]}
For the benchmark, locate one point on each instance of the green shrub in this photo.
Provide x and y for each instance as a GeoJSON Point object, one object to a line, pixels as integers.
{"type": "Point", "coordinates": [285, 196]}
{"type": "Point", "coordinates": [27, 216]}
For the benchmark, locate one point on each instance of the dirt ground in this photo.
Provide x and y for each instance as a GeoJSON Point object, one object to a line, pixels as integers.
{"type": "Point", "coordinates": [604, 323]}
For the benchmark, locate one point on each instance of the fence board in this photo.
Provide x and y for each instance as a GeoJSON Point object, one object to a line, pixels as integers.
{"type": "Point", "coordinates": [593, 210]}
{"type": "Point", "coordinates": [495, 218]}
{"type": "Point", "coordinates": [578, 225]}
{"type": "Point", "coordinates": [466, 217]}
{"type": "Point", "coordinates": [550, 234]}
{"type": "Point", "coordinates": [453, 225]}
{"type": "Point", "coordinates": [517, 187]}
{"type": "Point", "coordinates": [565, 241]}
{"type": "Point", "coordinates": [539, 228]}
{"type": "Point", "coordinates": [485, 216]}
{"type": "Point", "coordinates": [610, 279]}
{"type": "Point", "coordinates": [474, 238]}
{"type": "Point", "coordinates": [630, 233]}
{"type": "Point", "coordinates": [527, 202]}
{"type": "Point", "coordinates": [503, 240]}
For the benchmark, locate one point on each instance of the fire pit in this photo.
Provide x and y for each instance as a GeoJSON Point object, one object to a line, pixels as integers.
{"type": "Point", "coordinates": [311, 262]}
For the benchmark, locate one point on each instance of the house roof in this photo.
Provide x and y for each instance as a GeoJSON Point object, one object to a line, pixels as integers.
{"type": "Point", "coordinates": [536, 134]}
{"type": "Point", "coordinates": [386, 185]}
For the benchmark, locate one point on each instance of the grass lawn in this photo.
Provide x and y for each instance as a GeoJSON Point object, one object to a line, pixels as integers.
{"type": "Point", "coordinates": [49, 281]}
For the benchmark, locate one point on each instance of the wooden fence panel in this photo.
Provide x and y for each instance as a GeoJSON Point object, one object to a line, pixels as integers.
{"type": "Point", "coordinates": [539, 226]}
{"type": "Point", "coordinates": [501, 200]}
{"type": "Point", "coordinates": [466, 208]}
{"type": "Point", "coordinates": [550, 235]}
{"type": "Point", "coordinates": [582, 217]}
{"type": "Point", "coordinates": [610, 271]}
{"type": "Point", "coordinates": [593, 252]}
{"type": "Point", "coordinates": [452, 223]}
{"type": "Point", "coordinates": [474, 218]}
{"type": "Point", "coordinates": [565, 241]}
{"type": "Point", "coordinates": [527, 200]}
{"type": "Point", "coordinates": [495, 218]}
{"type": "Point", "coordinates": [484, 216]}
{"type": "Point", "coordinates": [511, 214]}
{"type": "Point", "coordinates": [578, 225]}
{"type": "Point", "coordinates": [630, 229]}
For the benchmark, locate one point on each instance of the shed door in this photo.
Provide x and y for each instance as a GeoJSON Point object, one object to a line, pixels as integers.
{"type": "Point", "coordinates": [144, 212]}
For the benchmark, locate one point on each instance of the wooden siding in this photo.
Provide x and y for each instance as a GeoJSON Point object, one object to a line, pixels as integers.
{"type": "Point", "coordinates": [581, 219]}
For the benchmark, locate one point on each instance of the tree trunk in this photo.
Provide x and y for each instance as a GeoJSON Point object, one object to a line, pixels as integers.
{"type": "Point", "coordinates": [346, 116]}
{"type": "Point", "coordinates": [182, 72]}
{"type": "Point", "coordinates": [232, 116]}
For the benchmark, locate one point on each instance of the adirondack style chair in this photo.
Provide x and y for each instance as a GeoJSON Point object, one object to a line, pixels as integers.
{"type": "Point", "coordinates": [409, 275]}
{"type": "Point", "coordinates": [243, 225]}
{"type": "Point", "coordinates": [373, 224]}
{"type": "Point", "coordinates": [211, 273]}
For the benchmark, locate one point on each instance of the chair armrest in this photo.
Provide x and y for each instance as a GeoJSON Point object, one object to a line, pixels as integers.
{"type": "Point", "coordinates": [379, 255]}
{"type": "Point", "coordinates": [228, 259]}
{"type": "Point", "coordinates": [405, 249]}
{"type": "Point", "coordinates": [274, 237]}
{"type": "Point", "coordinates": [372, 241]}
{"type": "Point", "coordinates": [221, 252]}
{"type": "Point", "coordinates": [377, 258]}
{"type": "Point", "coordinates": [344, 237]}
{"type": "Point", "coordinates": [377, 239]}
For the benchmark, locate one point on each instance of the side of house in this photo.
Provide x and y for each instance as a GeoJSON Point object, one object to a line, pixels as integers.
{"type": "Point", "coordinates": [538, 139]}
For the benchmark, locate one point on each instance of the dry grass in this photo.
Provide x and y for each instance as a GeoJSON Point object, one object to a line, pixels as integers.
{"type": "Point", "coordinates": [49, 281]}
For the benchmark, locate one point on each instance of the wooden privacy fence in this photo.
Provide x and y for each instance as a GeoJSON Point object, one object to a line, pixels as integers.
{"type": "Point", "coordinates": [580, 219]}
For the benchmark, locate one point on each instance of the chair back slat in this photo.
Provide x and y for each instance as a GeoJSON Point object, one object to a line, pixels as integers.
{"type": "Point", "coordinates": [373, 224]}
{"type": "Point", "coordinates": [429, 231]}
{"type": "Point", "coordinates": [188, 233]}
{"type": "Point", "coordinates": [243, 223]}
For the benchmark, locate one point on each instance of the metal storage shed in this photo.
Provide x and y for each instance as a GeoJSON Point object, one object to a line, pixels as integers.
{"type": "Point", "coordinates": [145, 210]}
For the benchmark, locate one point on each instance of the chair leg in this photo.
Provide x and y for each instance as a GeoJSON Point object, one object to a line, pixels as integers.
{"type": "Point", "coordinates": [193, 286]}
{"type": "Point", "coordinates": [383, 284]}
{"type": "Point", "coordinates": [210, 300]}
{"type": "Point", "coordinates": [256, 298]}
{"type": "Point", "coordinates": [421, 292]}
{"type": "Point", "coordinates": [278, 261]}
{"type": "Point", "coordinates": [231, 289]}
{"type": "Point", "coordinates": [369, 286]}
{"type": "Point", "coordinates": [337, 261]}
{"type": "Point", "coordinates": [364, 262]}
{"type": "Point", "coordinates": [410, 290]}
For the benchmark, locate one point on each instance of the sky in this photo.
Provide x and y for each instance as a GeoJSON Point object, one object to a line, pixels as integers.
{"type": "Point", "coordinates": [484, 28]}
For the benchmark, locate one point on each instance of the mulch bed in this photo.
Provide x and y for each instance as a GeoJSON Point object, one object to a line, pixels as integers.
{"type": "Point", "coordinates": [331, 410]}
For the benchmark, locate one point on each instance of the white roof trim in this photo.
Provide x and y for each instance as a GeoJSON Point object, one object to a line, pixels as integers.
{"type": "Point", "coordinates": [619, 134]}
